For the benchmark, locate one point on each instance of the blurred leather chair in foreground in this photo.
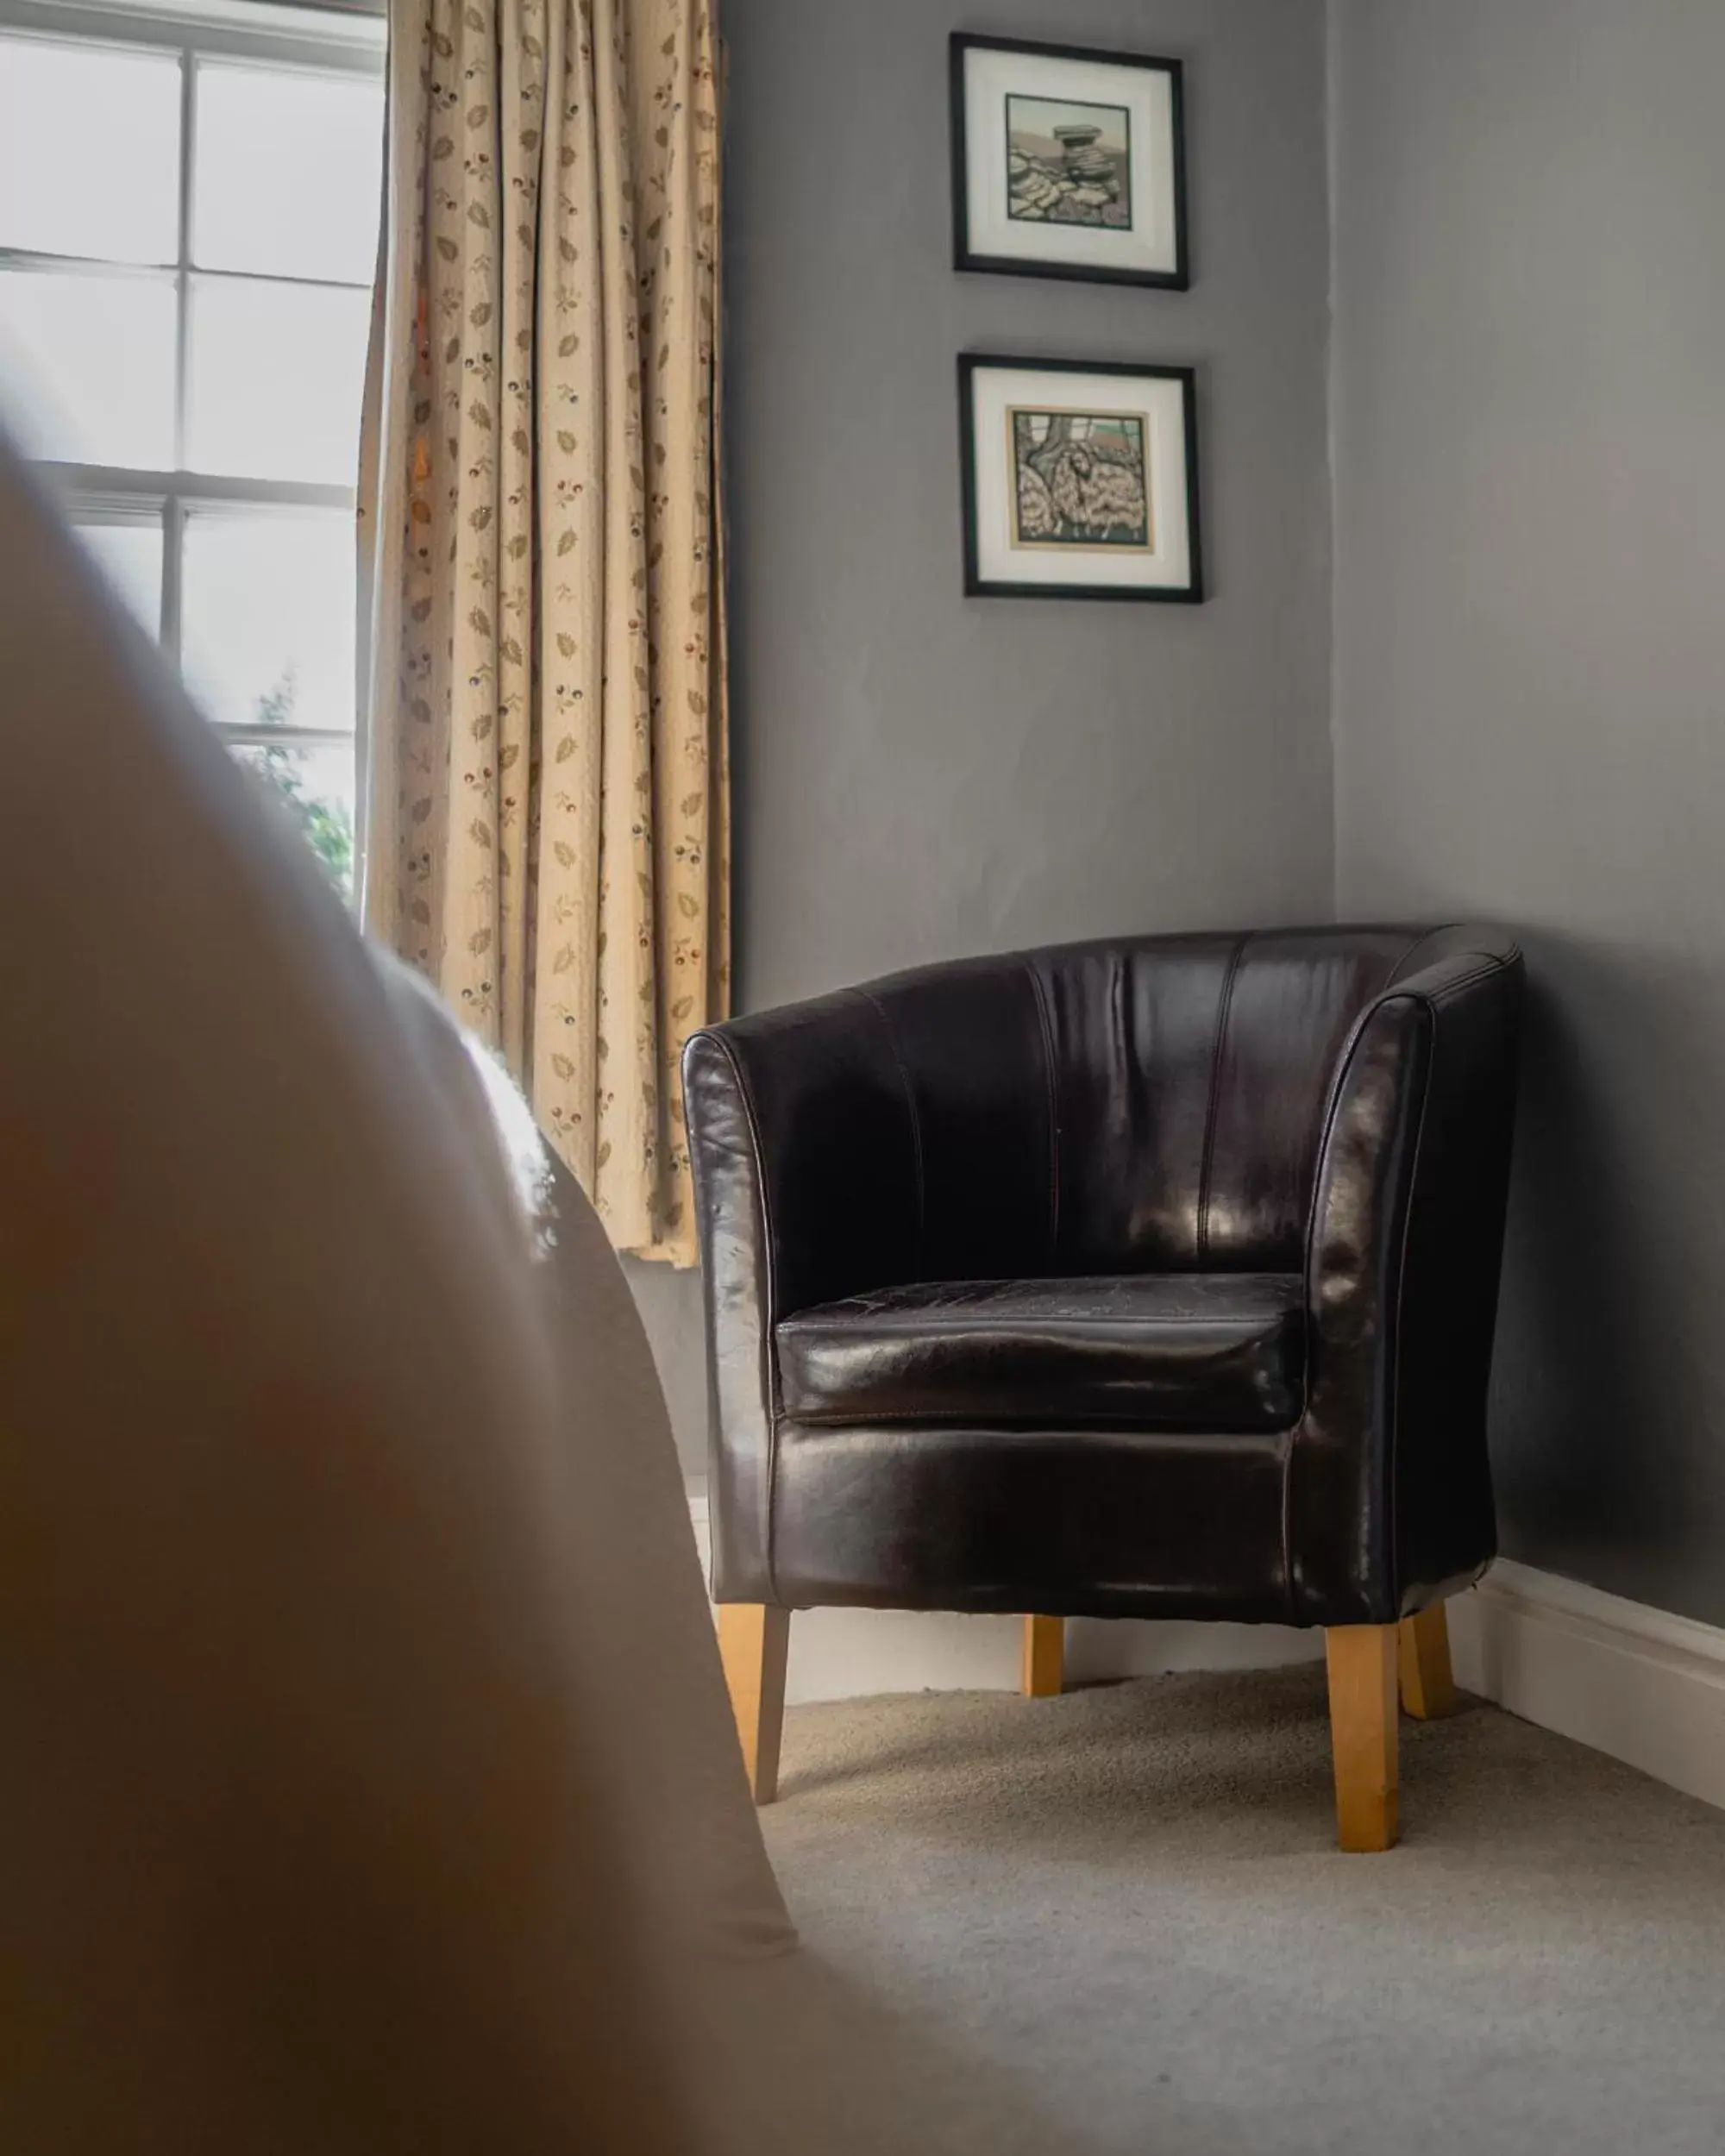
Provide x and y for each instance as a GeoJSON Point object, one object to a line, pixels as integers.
{"type": "Point", "coordinates": [1146, 1278]}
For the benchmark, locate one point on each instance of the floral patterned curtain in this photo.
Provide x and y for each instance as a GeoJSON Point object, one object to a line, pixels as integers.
{"type": "Point", "coordinates": [546, 783]}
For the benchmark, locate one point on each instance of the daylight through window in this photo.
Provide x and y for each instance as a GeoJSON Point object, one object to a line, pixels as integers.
{"type": "Point", "coordinates": [189, 205]}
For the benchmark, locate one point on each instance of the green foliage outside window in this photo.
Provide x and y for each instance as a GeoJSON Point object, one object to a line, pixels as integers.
{"type": "Point", "coordinates": [329, 825]}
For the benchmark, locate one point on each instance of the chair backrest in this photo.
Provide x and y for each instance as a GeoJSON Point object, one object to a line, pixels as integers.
{"type": "Point", "coordinates": [1141, 1104]}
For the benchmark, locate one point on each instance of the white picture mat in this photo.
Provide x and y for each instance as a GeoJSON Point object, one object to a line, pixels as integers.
{"type": "Point", "coordinates": [1159, 400]}
{"type": "Point", "coordinates": [1146, 93]}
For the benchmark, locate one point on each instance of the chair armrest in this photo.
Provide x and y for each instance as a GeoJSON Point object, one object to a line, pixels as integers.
{"type": "Point", "coordinates": [803, 1143]}
{"type": "Point", "coordinates": [1389, 1486]}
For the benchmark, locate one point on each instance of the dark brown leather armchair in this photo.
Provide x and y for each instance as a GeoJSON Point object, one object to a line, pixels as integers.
{"type": "Point", "coordinates": [1147, 1278]}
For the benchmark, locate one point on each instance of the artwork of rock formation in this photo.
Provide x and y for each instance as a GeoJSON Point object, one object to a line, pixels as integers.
{"type": "Point", "coordinates": [1084, 186]}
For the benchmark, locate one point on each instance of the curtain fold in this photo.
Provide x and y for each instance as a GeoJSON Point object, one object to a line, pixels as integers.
{"type": "Point", "coordinates": [546, 779]}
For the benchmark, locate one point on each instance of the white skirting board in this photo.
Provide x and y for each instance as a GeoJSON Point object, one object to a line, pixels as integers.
{"type": "Point", "coordinates": [1638, 1683]}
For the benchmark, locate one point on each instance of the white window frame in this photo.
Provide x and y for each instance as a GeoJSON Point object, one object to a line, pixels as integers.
{"type": "Point", "coordinates": [324, 36]}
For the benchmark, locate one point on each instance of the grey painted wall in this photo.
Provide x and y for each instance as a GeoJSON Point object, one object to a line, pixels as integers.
{"type": "Point", "coordinates": [918, 774]}
{"type": "Point", "coordinates": [1529, 398]}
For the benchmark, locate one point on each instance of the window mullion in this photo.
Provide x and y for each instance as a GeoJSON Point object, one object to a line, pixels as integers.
{"type": "Point", "coordinates": [173, 550]}
{"type": "Point", "coordinates": [188, 122]}
{"type": "Point", "coordinates": [173, 509]}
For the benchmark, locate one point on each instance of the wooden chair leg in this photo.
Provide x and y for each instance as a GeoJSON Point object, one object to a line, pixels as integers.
{"type": "Point", "coordinates": [1362, 1663]}
{"type": "Point", "coordinates": [753, 1642]}
{"type": "Point", "coordinates": [1427, 1688]}
{"type": "Point", "coordinates": [1044, 1640]}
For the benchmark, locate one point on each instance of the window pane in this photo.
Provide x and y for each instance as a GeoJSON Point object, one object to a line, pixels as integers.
{"type": "Point", "coordinates": [86, 366]}
{"type": "Point", "coordinates": [131, 559]}
{"type": "Point", "coordinates": [288, 171]}
{"type": "Point", "coordinates": [89, 151]}
{"type": "Point", "coordinates": [278, 372]}
{"type": "Point", "coordinates": [315, 787]}
{"type": "Point", "coordinates": [266, 617]}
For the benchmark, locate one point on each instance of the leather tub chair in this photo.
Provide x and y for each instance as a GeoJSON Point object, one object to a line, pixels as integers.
{"type": "Point", "coordinates": [1153, 1277]}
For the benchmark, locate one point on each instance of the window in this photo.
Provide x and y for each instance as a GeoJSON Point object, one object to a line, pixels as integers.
{"type": "Point", "coordinates": [189, 205]}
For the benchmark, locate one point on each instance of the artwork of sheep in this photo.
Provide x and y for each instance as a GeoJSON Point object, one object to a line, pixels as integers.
{"type": "Point", "coordinates": [1080, 479]}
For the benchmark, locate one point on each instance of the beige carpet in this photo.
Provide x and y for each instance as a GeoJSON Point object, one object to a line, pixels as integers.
{"type": "Point", "coordinates": [1115, 1921]}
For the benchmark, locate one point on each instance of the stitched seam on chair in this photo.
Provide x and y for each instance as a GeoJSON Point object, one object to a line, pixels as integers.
{"type": "Point", "coordinates": [1111, 1425]}
{"type": "Point", "coordinates": [1344, 1063]}
{"type": "Point", "coordinates": [880, 1011]}
{"type": "Point", "coordinates": [1403, 994]}
{"type": "Point", "coordinates": [920, 1327]}
{"type": "Point", "coordinates": [1222, 1009]}
{"type": "Point", "coordinates": [1046, 1020]}
{"type": "Point", "coordinates": [1395, 1374]}
{"type": "Point", "coordinates": [1343, 1067]}
{"type": "Point", "coordinates": [1287, 1501]}
{"type": "Point", "coordinates": [1492, 966]}
{"type": "Point", "coordinates": [768, 1353]}
{"type": "Point", "coordinates": [1129, 1424]}
{"type": "Point", "coordinates": [1439, 998]}
{"type": "Point", "coordinates": [1413, 944]}
{"type": "Point", "coordinates": [1493, 961]}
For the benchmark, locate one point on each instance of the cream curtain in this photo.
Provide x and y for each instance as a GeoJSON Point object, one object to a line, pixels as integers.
{"type": "Point", "coordinates": [541, 596]}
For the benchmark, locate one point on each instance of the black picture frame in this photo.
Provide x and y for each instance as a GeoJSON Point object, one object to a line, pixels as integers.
{"type": "Point", "coordinates": [963, 257]}
{"type": "Point", "coordinates": [1190, 594]}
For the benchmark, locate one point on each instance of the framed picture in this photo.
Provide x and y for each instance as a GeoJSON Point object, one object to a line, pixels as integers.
{"type": "Point", "coordinates": [1080, 479]}
{"type": "Point", "coordinates": [1067, 163]}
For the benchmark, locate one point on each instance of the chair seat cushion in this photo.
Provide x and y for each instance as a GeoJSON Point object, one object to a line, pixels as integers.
{"type": "Point", "coordinates": [1194, 1352]}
